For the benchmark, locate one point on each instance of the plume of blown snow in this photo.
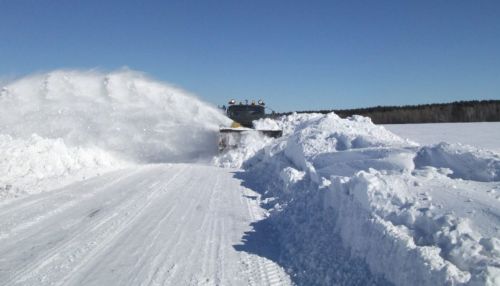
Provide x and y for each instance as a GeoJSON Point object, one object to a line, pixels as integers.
{"type": "Point", "coordinates": [65, 126]}
{"type": "Point", "coordinates": [124, 113]}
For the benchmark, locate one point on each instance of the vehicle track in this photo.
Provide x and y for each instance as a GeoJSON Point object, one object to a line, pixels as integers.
{"type": "Point", "coordinates": [173, 224]}
{"type": "Point", "coordinates": [92, 235]}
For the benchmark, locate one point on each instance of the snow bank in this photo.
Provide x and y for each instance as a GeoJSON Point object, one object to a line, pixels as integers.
{"type": "Point", "coordinates": [65, 125]}
{"type": "Point", "coordinates": [484, 135]}
{"type": "Point", "coordinates": [39, 164]}
{"type": "Point", "coordinates": [466, 162]}
{"type": "Point", "coordinates": [409, 239]}
{"type": "Point", "coordinates": [353, 204]}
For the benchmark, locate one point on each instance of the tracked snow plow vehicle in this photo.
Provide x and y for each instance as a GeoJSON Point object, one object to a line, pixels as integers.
{"type": "Point", "coordinates": [243, 114]}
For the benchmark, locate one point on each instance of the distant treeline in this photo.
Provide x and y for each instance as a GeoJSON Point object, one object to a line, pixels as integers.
{"type": "Point", "coordinates": [460, 111]}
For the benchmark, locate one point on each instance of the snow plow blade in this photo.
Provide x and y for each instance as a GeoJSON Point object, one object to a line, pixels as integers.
{"type": "Point", "coordinates": [230, 138]}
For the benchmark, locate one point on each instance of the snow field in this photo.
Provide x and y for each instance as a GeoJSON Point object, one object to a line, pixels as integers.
{"type": "Point", "coordinates": [348, 190]}
{"type": "Point", "coordinates": [484, 135]}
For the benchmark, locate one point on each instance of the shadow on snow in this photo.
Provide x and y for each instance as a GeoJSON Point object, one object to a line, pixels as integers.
{"type": "Point", "coordinates": [302, 240]}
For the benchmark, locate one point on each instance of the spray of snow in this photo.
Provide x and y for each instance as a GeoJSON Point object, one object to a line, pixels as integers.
{"type": "Point", "coordinates": [123, 112]}
{"type": "Point", "coordinates": [116, 117]}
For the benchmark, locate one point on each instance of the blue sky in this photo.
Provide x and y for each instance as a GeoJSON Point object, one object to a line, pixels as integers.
{"type": "Point", "coordinates": [297, 55]}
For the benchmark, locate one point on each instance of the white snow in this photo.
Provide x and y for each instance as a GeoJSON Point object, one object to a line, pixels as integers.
{"type": "Point", "coordinates": [36, 164]}
{"type": "Point", "coordinates": [122, 112]}
{"type": "Point", "coordinates": [345, 191]}
{"type": "Point", "coordinates": [485, 135]}
{"type": "Point", "coordinates": [87, 196]}
{"type": "Point", "coordinates": [93, 192]}
{"type": "Point", "coordinates": [466, 162]}
{"type": "Point", "coordinates": [248, 144]}
{"type": "Point", "coordinates": [66, 125]}
{"type": "Point", "coordinates": [164, 224]}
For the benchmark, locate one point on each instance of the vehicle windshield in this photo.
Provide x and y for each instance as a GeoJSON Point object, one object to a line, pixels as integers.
{"type": "Point", "coordinates": [245, 114]}
{"type": "Point", "coordinates": [240, 110]}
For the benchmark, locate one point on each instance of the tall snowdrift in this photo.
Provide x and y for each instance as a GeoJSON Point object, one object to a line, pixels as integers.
{"type": "Point", "coordinates": [354, 204]}
{"type": "Point", "coordinates": [59, 122]}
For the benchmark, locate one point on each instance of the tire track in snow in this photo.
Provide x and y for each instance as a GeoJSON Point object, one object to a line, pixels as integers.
{"type": "Point", "coordinates": [12, 206]}
{"type": "Point", "coordinates": [192, 220]}
{"type": "Point", "coordinates": [209, 273]}
{"type": "Point", "coordinates": [208, 253]}
{"type": "Point", "coordinates": [269, 272]}
{"type": "Point", "coordinates": [29, 217]}
{"type": "Point", "coordinates": [164, 265]}
{"type": "Point", "coordinates": [208, 228]}
{"type": "Point", "coordinates": [166, 225]}
{"type": "Point", "coordinates": [110, 223]}
{"type": "Point", "coordinates": [159, 267]}
{"type": "Point", "coordinates": [38, 239]}
{"type": "Point", "coordinates": [154, 193]}
{"type": "Point", "coordinates": [130, 240]}
{"type": "Point", "coordinates": [55, 253]}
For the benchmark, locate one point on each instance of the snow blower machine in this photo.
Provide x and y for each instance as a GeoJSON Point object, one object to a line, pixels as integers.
{"type": "Point", "coordinates": [242, 115]}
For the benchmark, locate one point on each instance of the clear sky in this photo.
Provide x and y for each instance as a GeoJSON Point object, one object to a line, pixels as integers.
{"type": "Point", "coordinates": [297, 55]}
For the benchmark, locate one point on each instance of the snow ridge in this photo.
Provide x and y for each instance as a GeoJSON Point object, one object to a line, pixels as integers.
{"type": "Point", "coordinates": [347, 190]}
{"type": "Point", "coordinates": [466, 162]}
{"type": "Point", "coordinates": [40, 164]}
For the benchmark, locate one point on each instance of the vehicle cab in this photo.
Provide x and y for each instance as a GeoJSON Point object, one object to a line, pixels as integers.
{"type": "Point", "coordinates": [245, 113]}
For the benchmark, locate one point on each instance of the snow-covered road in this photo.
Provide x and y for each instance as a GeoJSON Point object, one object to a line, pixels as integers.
{"type": "Point", "coordinates": [334, 201]}
{"type": "Point", "coordinates": [168, 224]}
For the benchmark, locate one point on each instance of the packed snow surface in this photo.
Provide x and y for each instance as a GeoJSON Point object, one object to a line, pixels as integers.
{"type": "Point", "coordinates": [66, 125]}
{"type": "Point", "coordinates": [164, 224]}
{"type": "Point", "coordinates": [354, 204]}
